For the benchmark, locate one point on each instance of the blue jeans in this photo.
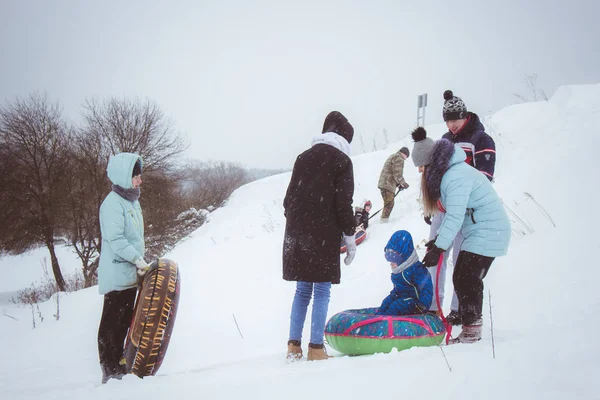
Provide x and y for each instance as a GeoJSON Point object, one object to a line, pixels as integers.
{"type": "Point", "coordinates": [304, 291]}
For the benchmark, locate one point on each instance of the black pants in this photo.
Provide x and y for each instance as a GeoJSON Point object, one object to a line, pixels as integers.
{"type": "Point", "coordinates": [116, 318]}
{"type": "Point", "coordinates": [469, 271]}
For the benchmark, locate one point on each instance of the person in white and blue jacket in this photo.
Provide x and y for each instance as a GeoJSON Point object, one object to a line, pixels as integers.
{"type": "Point", "coordinates": [413, 290]}
{"type": "Point", "coordinates": [472, 207]}
{"type": "Point", "coordinates": [121, 259]}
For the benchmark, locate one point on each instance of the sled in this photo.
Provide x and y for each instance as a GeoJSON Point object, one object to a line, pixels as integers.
{"type": "Point", "coordinates": [359, 237]}
{"type": "Point", "coordinates": [361, 332]}
{"type": "Point", "coordinates": [153, 319]}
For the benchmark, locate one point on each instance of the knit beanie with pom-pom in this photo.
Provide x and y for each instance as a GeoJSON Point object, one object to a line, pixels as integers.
{"type": "Point", "coordinates": [454, 107]}
{"type": "Point", "coordinates": [423, 148]}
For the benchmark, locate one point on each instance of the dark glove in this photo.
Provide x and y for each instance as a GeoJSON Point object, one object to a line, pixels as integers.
{"type": "Point", "coordinates": [403, 186]}
{"type": "Point", "coordinates": [432, 257]}
{"type": "Point", "coordinates": [427, 219]}
{"type": "Point", "coordinates": [430, 244]}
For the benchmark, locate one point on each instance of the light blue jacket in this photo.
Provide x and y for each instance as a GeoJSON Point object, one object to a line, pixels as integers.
{"type": "Point", "coordinates": [122, 229]}
{"type": "Point", "coordinates": [473, 207]}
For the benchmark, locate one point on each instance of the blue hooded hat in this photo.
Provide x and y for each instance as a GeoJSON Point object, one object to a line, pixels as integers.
{"type": "Point", "coordinates": [401, 246]}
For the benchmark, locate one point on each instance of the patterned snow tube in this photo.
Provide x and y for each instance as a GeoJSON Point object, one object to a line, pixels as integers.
{"type": "Point", "coordinates": [153, 319]}
{"type": "Point", "coordinates": [360, 332]}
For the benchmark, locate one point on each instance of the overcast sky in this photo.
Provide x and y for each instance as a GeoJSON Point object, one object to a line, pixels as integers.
{"type": "Point", "coordinates": [252, 81]}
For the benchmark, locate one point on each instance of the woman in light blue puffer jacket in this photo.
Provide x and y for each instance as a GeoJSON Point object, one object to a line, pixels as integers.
{"type": "Point", "coordinates": [121, 259]}
{"type": "Point", "coordinates": [470, 206]}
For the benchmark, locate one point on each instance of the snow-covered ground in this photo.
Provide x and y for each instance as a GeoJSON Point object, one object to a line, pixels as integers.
{"type": "Point", "coordinates": [33, 267]}
{"type": "Point", "coordinates": [544, 293]}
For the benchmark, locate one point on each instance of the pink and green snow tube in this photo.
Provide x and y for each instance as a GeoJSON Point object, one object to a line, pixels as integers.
{"type": "Point", "coordinates": [360, 332]}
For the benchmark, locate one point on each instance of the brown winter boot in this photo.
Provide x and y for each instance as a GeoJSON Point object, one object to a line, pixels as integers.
{"type": "Point", "coordinates": [294, 352]}
{"type": "Point", "coordinates": [317, 352]}
{"type": "Point", "coordinates": [470, 333]}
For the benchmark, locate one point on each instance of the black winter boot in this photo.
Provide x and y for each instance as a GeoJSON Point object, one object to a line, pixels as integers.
{"type": "Point", "coordinates": [113, 374]}
{"type": "Point", "coordinates": [454, 318]}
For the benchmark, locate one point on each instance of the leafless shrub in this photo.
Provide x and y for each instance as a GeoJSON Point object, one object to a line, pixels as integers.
{"type": "Point", "coordinates": [362, 142]}
{"type": "Point", "coordinates": [9, 316]}
{"type": "Point", "coordinates": [163, 201]}
{"type": "Point", "coordinates": [41, 291]}
{"type": "Point", "coordinates": [539, 206]}
{"type": "Point", "coordinates": [535, 93]}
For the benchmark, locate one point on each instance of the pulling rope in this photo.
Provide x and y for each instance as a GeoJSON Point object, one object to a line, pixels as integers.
{"type": "Point", "coordinates": [437, 300]}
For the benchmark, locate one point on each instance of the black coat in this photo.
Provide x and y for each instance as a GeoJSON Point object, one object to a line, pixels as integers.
{"type": "Point", "coordinates": [318, 208]}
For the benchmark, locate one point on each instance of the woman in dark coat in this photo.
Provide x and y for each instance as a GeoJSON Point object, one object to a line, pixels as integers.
{"type": "Point", "coordinates": [318, 211]}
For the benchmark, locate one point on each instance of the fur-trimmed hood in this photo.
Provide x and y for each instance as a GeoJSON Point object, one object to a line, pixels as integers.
{"type": "Point", "coordinates": [445, 154]}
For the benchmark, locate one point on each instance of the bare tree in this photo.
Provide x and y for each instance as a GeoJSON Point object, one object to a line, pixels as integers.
{"type": "Point", "coordinates": [88, 184]}
{"type": "Point", "coordinates": [137, 127]}
{"type": "Point", "coordinates": [33, 164]}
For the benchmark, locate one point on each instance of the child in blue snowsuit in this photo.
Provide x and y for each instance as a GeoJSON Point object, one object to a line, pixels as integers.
{"type": "Point", "coordinates": [413, 290]}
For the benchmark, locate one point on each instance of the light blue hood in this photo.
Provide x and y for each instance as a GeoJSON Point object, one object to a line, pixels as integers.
{"type": "Point", "coordinates": [120, 168]}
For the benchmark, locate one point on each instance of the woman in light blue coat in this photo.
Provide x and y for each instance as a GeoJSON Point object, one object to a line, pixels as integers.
{"type": "Point", "coordinates": [121, 259]}
{"type": "Point", "coordinates": [472, 207]}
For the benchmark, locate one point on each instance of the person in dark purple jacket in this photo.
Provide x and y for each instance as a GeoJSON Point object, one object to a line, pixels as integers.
{"type": "Point", "coordinates": [465, 129]}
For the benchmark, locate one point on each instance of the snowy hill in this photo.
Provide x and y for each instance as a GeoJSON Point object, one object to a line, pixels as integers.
{"type": "Point", "coordinates": [544, 293]}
